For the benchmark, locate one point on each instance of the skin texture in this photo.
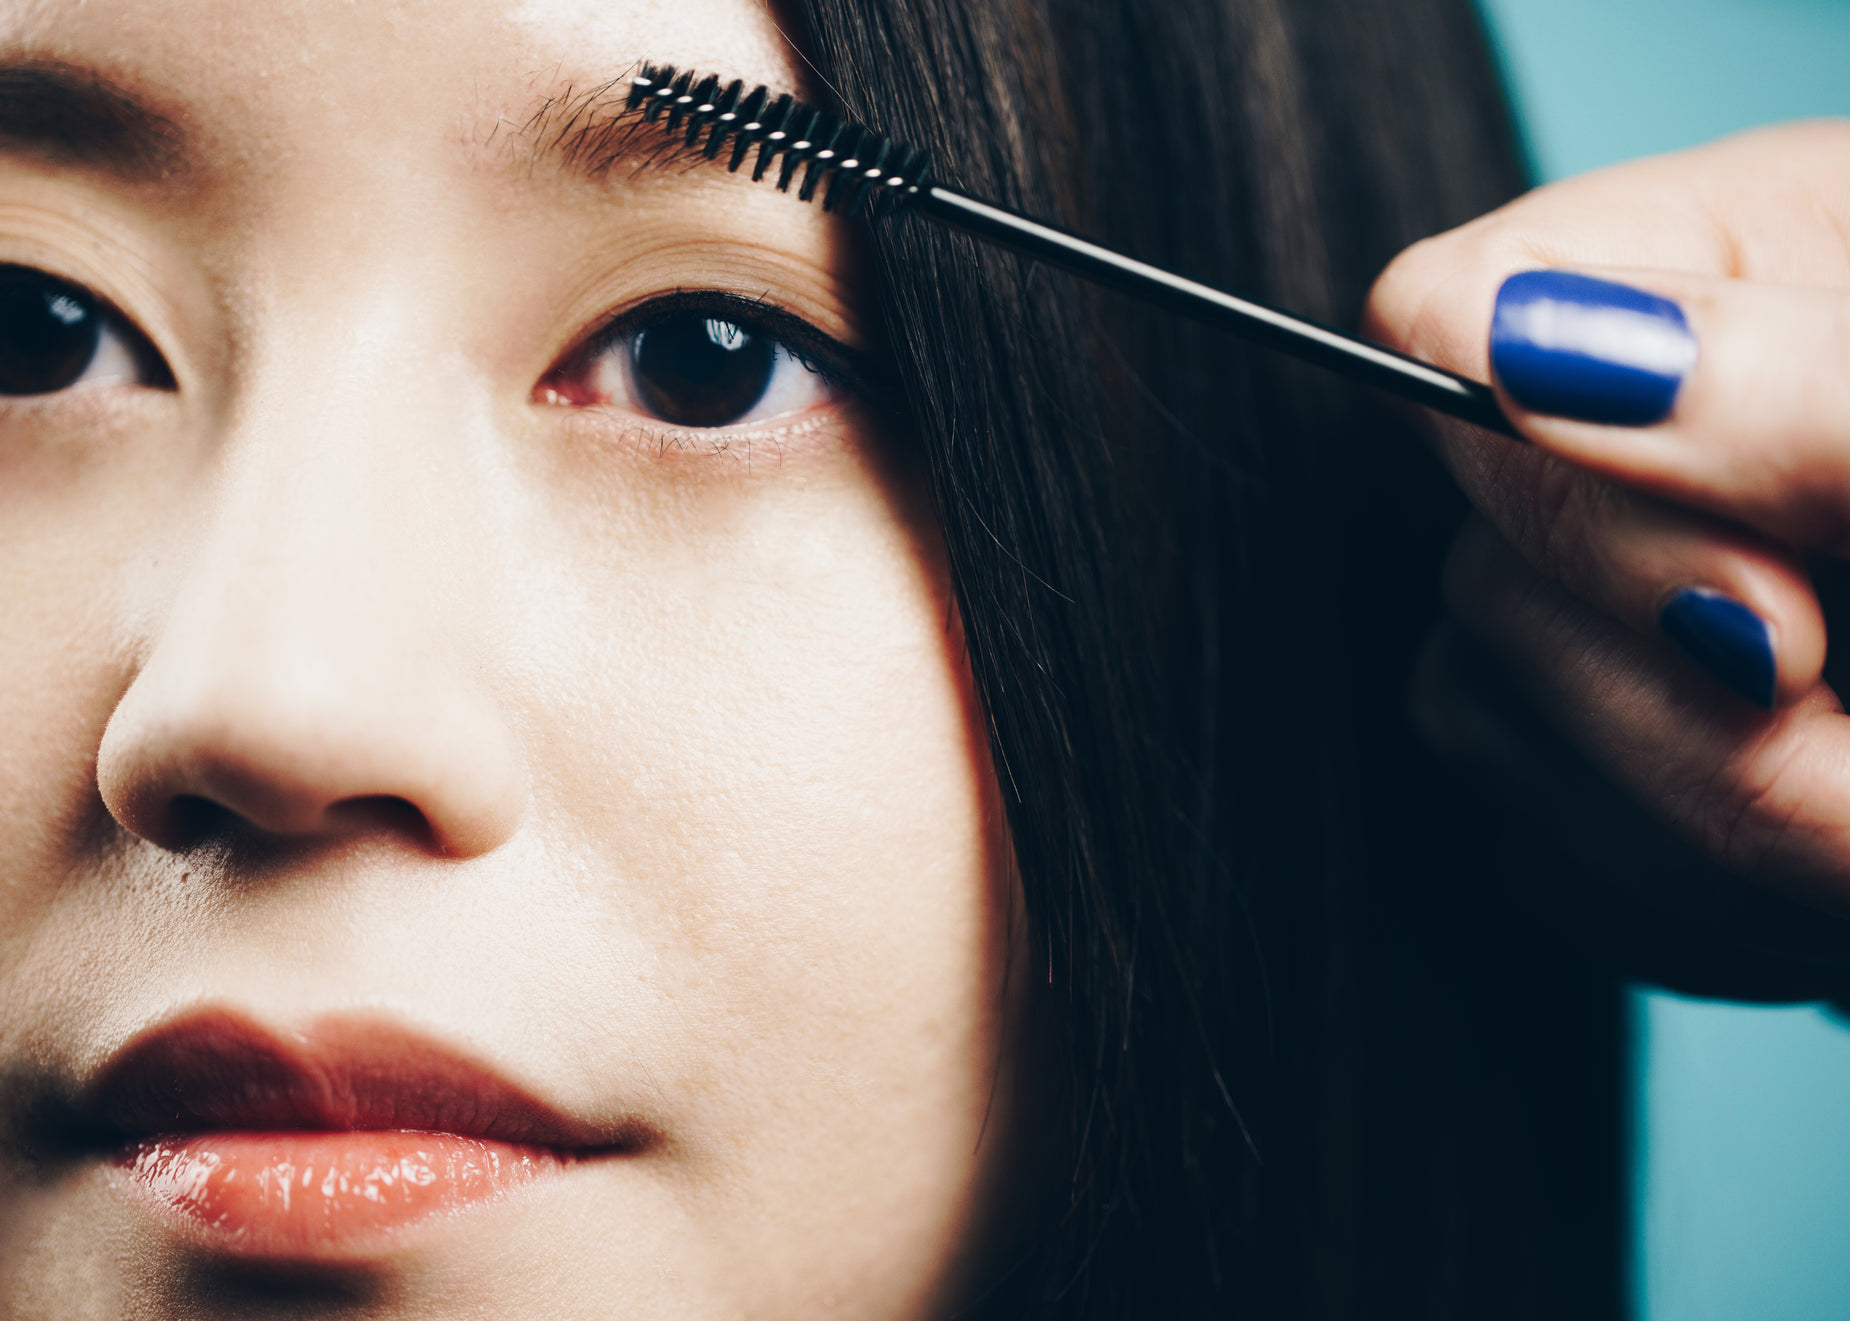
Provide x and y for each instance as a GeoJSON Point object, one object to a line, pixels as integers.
{"type": "Point", "coordinates": [640, 765]}
{"type": "Point", "coordinates": [1582, 537]}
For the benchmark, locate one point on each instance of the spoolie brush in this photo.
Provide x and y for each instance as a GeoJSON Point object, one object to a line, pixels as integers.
{"type": "Point", "coordinates": [865, 170]}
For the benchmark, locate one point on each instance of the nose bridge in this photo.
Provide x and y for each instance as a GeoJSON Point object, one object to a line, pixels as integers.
{"type": "Point", "coordinates": [338, 495]}
{"type": "Point", "coordinates": [316, 651]}
{"type": "Point", "coordinates": [344, 503]}
{"type": "Point", "coordinates": [354, 428]}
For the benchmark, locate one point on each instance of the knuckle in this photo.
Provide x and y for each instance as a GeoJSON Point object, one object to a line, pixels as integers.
{"type": "Point", "coordinates": [1837, 350]}
{"type": "Point", "coordinates": [1558, 526]}
{"type": "Point", "coordinates": [1553, 500]}
{"type": "Point", "coordinates": [1794, 464]}
{"type": "Point", "coordinates": [1813, 357]}
{"type": "Point", "coordinates": [1740, 814]}
{"type": "Point", "coordinates": [1828, 401]}
{"type": "Point", "coordinates": [1496, 599]}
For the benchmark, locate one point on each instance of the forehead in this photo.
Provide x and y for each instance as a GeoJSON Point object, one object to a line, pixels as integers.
{"type": "Point", "coordinates": [289, 70]}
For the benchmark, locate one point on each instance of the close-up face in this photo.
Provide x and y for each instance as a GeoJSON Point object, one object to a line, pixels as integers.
{"type": "Point", "coordinates": [498, 823]}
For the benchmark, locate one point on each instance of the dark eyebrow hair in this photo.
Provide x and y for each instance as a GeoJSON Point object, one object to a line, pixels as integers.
{"type": "Point", "coordinates": [75, 116]}
{"type": "Point", "coordinates": [589, 131]}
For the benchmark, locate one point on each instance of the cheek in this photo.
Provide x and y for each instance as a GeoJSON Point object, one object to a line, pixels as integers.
{"type": "Point", "coordinates": [770, 738]}
{"type": "Point", "coordinates": [771, 755]}
{"type": "Point", "coordinates": [80, 526]}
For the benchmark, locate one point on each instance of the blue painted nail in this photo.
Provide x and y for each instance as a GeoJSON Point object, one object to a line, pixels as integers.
{"type": "Point", "coordinates": [1725, 638]}
{"type": "Point", "coordinates": [1572, 346]}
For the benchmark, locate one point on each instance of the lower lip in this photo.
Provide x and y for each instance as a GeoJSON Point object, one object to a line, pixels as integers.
{"type": "Point", "coordinates": [307, 1196]}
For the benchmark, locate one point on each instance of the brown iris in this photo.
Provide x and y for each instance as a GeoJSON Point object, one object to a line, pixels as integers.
{"type": "Point", "coordinates": [700, 371]}
{"type": "Point", "coordinates": [49, 331]}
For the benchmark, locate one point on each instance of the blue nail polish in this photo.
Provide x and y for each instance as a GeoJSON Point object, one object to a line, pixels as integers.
{"type": "Point", "coordinates": [1726, 638]}
{"type": "Point", "coordinates": [1571, 346]}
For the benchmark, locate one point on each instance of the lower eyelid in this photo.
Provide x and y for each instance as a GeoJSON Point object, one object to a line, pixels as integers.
{"type": "Point", "coordinates": [80, 418]}
{"type": "Point", "coordinates": [750, 446]}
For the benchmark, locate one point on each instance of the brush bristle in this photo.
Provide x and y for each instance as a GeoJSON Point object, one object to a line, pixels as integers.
{"type": "Point", "coordinates": [859, 166]}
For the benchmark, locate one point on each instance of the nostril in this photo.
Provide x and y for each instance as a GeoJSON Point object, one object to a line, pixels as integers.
{"type": "Point", "coordinates": [259, 761]}
{"type": "Point", "coordinates": [383, 814]}
{"type": "Point", "coordinates": [193, 820]}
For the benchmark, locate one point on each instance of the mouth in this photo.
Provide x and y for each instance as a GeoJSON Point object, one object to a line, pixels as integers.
{"type": "Point", "coordinates": [325, 1145]}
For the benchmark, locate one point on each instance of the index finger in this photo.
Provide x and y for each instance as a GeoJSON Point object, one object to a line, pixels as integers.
{"type": "Point", "coordinates": [1771, 206]}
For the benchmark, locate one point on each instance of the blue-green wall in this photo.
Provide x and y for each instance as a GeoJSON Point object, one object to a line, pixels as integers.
{"type": "Point", "coordinates": [1743, 1172]}
{"type": "Point", "coordinates": [1605, 80]}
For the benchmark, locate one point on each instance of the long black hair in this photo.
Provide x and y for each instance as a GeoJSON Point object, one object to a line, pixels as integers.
{"type": "Point", "coordinates": [1306, 1064]}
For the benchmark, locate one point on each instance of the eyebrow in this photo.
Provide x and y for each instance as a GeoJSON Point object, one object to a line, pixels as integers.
{"type": "Point", "coordinates": [71, 115]}
{"type": "Point", "coordinates": [75, 116]}
{"type": "Point", "coordinates": [591, 132]}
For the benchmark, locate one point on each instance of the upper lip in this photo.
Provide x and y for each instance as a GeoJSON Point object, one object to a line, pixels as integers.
{"type": "Point", "coordinates": [216, 1069]}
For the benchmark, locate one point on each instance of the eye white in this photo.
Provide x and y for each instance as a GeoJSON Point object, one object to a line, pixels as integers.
{"type": "Point", "coordinates": [113, 363]}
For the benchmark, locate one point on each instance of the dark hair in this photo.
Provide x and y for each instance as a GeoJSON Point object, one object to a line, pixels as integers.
{"type": "Point", "coordinates": [1307, 1064]}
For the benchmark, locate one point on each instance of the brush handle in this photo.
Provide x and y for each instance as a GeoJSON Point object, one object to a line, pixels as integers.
{"type": "Point", "coordinates": [1371, 364]}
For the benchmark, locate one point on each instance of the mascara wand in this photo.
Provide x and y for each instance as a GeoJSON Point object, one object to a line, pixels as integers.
{"type": "Point", "coordinates": [862, 168]}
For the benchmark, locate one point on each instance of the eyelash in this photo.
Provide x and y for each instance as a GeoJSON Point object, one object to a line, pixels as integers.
{"type": "Point", "coordinates": [788, 338]}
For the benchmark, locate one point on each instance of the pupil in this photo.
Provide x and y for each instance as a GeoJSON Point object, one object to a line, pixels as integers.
{"type": "Point", "coordinates": [48, 332]}
{"type": "Point", "coordinates": [700, 371]}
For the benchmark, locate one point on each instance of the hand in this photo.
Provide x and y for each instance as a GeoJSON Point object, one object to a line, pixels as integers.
{"type": "Point", "coordinates": [1648, 580]}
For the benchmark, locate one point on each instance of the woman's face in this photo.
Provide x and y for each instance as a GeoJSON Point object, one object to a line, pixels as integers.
{"type": "Point", "coordinates": [427, 703]}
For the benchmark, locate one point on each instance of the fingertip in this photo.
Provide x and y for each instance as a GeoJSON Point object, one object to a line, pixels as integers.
{"type": "Point", "coordinates": [1732, 643]}
{"type": "Point", "coordinates": [1761, 634]}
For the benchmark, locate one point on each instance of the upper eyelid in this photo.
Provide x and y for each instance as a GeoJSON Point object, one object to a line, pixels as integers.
{"type": "Point", "coordinates": [151, 280]}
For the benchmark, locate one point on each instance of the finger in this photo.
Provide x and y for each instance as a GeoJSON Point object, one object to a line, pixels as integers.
{"type": "Point", "coordinates": [1770, 206]}
{"type": "Point", "coordinates": [1720, 394]}
{"type": "Point", "coordinates": [1598, 869]}
{"type": "Point", "coordinates": [1766, 794]}
{"type": "Point", "coordinates": [1739, 602]}
{"type": "Point", "coordinates": [1753, 427]}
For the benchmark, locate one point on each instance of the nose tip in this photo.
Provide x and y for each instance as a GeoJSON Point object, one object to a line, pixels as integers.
{"type": "Point", "coordinates": [185, 757]}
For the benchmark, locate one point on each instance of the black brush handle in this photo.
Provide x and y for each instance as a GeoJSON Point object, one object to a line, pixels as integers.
{"type": "Point", "coordinates": [1371, 364]}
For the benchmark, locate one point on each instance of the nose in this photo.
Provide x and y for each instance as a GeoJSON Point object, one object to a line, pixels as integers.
{"type": "Point", "coordinates": [230, 724]}
{"type": "Point", "coordinates": [317, 670]}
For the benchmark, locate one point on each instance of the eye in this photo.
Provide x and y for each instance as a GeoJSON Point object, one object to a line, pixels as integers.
{"type": "Point", "coordinates": [690, 367]}
{"type": "Point", "coordinates": [55, 335]}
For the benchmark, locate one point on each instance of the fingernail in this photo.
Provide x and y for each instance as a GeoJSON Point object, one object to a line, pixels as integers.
{"type": "Point", "coordinates": [1727, 639]}
{"type": "Point", "coordinates": [1571, 346]}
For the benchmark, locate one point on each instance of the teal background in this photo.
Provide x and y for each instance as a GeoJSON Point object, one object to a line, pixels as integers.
{"type": "Point", "coordinates": [1599, 81]}
{"type": "Point", "coordinates": [1742, 1115]}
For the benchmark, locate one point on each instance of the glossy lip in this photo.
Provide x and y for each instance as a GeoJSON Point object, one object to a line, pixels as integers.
{"type": "Point", "coordinates": [204, 1114]}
